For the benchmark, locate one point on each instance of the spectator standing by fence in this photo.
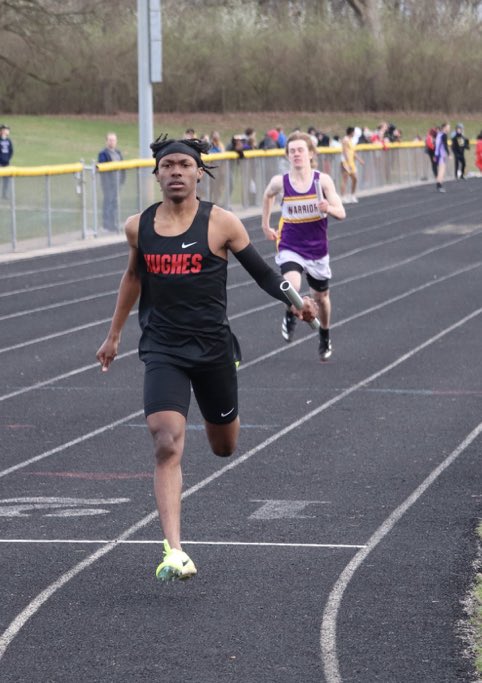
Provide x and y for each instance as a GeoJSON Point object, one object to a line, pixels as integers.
{"type": "Point", "coordinates": [348, 166]}
{"type": "Point", "coordinates": [111, 182]}
{"type": "Point", "coordinates": [430, 149]}
{"type": "Point", "coordinates": [281, 137]}
{"type": "Point", "coordinates": [459, 144]}
{"type": "Point", "coordinates": [442, 153]}
{"type": "Point", "coordinates": [216, 145]}
{"type": "Point", "coordinates": [6, 153]}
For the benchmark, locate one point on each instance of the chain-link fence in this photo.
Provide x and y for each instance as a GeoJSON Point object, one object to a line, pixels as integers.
{"type": "Point", "coordinates": [47, 206]}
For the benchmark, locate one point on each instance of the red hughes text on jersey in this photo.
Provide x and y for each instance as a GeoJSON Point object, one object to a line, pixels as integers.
{"type": "Point", "coordinates": [173, 264]}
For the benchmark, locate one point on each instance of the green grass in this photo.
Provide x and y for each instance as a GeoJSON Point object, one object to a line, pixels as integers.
{"type": "Point", "coordinates": [478, 614]}
{"type": "Point", "coordinates": [42, 140]}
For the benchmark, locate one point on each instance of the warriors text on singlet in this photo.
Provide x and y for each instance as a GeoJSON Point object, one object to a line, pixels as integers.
{"type": "Point", "coordinates": [302, 228]}
{"type": "Point", "coordinates": [182, 310]}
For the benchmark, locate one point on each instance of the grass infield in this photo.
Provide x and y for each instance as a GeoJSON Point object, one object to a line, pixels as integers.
{"type": "Point", "coordinates": [477, 618]}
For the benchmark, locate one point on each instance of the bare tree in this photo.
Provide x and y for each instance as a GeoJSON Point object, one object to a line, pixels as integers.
{"type": "Point", "coordinates": [31, 28]}
{"type": "Point", "coordinates": [368, 14]}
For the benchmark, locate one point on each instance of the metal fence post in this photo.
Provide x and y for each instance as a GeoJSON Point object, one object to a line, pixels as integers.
{"type": "Point", "coordinates": [118, 201]}
{"type": "Point", "coordinates": [139, 190]}
{"type": "Point", "coordinates": [95, 222]}
{"type": "Point", "coordinates": [48, 206]}
{"type": "Point", "coordinates": [84, 202]}
{"type": "Point", "coordinates": [13, 209]}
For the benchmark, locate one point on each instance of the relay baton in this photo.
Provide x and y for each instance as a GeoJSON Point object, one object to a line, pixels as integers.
{"type": "Point", "coordinates": [319, 193]}
{"type": "Point", "coordinates": [289, 291]}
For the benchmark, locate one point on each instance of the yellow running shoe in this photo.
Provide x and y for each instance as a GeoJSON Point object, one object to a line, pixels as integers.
{"type": "Point", "coordinates": [238, 356]}
{"type": "Point", "coordinates": [175, 565]}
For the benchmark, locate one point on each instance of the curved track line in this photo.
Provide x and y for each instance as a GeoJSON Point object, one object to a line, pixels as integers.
{"type": "Point", "coordinates": [330, 615]}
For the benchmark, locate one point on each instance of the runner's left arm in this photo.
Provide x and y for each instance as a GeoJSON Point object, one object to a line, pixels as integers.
{"type": "Point", "coordinates": [334, 205]}
{"type": "Point", "coordinates": [239, 244]}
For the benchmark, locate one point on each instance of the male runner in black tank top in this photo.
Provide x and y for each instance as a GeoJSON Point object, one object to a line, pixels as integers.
{"type": "Point", "coordinates": [177, 263]}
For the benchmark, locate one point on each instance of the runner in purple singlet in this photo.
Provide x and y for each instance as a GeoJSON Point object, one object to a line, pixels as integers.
{"type": "Point", "coordinates": [302, 240]}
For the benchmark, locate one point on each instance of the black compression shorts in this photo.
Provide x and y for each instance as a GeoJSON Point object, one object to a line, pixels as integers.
{"type": "Point", "coordinates": [318, 285]}
{"type": "Point", "coordinates": [168, 387]}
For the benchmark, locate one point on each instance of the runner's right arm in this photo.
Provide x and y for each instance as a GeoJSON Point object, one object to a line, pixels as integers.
{"type": "Point", "coordinates": [274, 187]}
{"type": "Point", "coordinates": [129, 290]}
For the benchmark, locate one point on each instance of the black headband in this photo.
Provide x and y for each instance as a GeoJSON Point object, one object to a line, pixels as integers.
{"type": "Point", "coordinates": [179, 147]}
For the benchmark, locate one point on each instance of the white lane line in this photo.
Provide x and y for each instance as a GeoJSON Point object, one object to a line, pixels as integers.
{"type": "Point", "coordinates": [62, 283]}
{"type": "Point", "coordinates": [23, 617]}
{"type": "Point", "coordinates": [409, 259]}
{"type": "Point", "coordinates": [59, 304]}
{"type": "Point", "coordinates": [69, 444]}
{"type": "Point", "coordinates": [280, 349]}
{"type": "Point", "coordinates": [99, 295]}
{"type": "Point", "coordinates": [86, 326]}
{"type": "Point", "coordinates": [404, 218]}
{"type": "Point", "coordinates": [353, 218]}
{"type": "Point", "coordinates": [261, 544]}
{"type": "Point", "coordinates": [72, 264]}
{"type": "Point", "coordinates": [123, 254]}
{"type": "Point", "coordinates": [352, 252]}
{"type": "Point", "coordinates": [246, 283]}
{"type": "Point", "coordinates": [65, 375]}
{"type": "Point", "coordinates": [330, 615]}
{"type": "Point", "coordinates": [55, 335]}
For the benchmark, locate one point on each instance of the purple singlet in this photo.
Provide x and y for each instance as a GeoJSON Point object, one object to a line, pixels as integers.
{"type": "Point", "coordinates": [302, 227]}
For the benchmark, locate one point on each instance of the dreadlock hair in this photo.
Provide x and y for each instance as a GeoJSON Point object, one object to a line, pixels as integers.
{"type": "Point", "coordinates": [193, 146]}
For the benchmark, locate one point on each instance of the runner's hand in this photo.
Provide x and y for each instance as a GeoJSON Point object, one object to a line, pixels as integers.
{"type": "Point", "coordinates": [269, 233]}
{"type": "Point", "coordinates": [309, 310]}
{"type": "Point", "coordinates": [106, 353]}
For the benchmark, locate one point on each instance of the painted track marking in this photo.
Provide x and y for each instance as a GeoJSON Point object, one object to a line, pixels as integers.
{"type": "Point", "coordinates": [95, 541]}
{"type": "Point", "coordinates": [330, 615]}
{"type": "Point", "coordinates": [24, 616]}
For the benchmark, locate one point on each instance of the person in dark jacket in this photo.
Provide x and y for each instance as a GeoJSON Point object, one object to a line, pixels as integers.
{"type": "Point", "coordinates": [111, 182]}
{"type": "Point", "coordinates": [459, 144]}
{"type": "Point", "coordinates": [6, 153]}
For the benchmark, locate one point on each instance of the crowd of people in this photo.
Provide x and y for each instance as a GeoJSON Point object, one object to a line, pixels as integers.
{"type": "Point", "coordinates": [275, 137]}
{"type": "Point", "coordinates": [439, 145]}
{"type": "Point", "coordinates": [436, 145]}
{"type": "Point", "coordinates": [439, 151]}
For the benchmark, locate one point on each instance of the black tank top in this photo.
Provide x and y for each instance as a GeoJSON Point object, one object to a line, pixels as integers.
{"type": "Point", "coordinates": [182, 309]}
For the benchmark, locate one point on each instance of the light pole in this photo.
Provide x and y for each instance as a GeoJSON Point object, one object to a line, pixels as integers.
{"type": "Point", "coordinates": [149, 69]}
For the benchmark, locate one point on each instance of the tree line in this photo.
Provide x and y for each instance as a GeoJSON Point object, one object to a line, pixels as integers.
{"type": "Point", "coordinates": [80, 56]}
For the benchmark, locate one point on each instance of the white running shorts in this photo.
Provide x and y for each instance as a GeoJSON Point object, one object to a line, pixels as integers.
{"type": "Point", "coordinates": [319, 269]}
